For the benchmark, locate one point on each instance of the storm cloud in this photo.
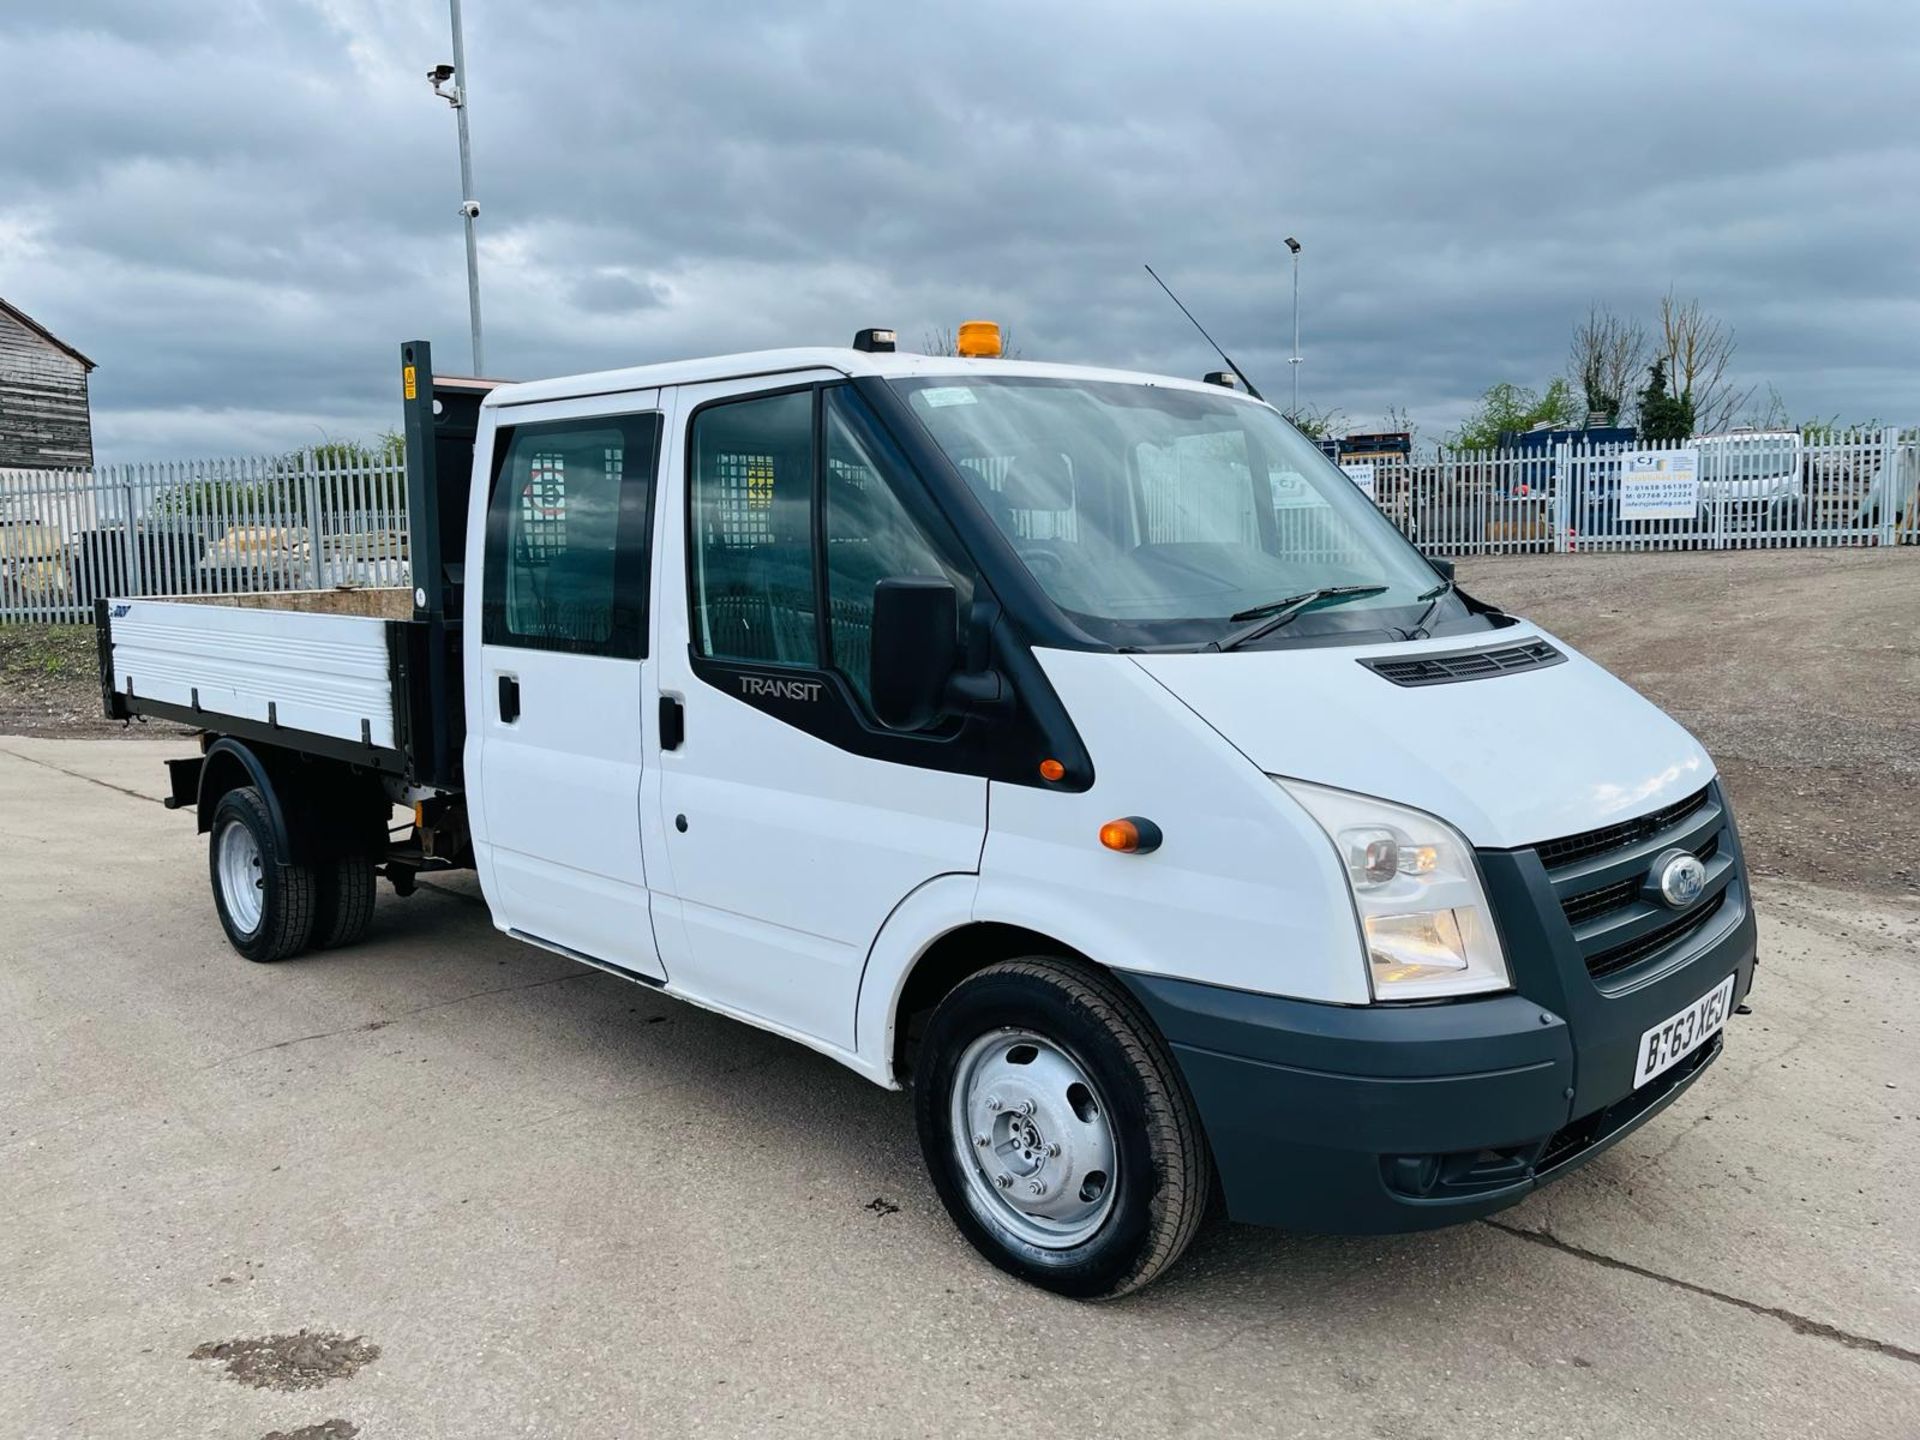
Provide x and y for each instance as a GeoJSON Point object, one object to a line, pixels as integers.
{"type": "Point", "coordinates": [239, 210]}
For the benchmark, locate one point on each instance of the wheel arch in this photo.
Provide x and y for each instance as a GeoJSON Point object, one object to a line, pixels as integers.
{"type": "Point", "coordinates": [229, 765]}
{"type": "Point", "coordinates": [933, 940]}
{"type": "Point", "coordinates": [339, 808]}
{"type": "Point", "coordinates": [951, 958]}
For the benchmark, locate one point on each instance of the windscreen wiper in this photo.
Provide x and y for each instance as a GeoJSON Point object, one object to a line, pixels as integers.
{"type": "Point", "coordinates": [1433, 597]}
{"type": "Point", "coordinates": [1275, 613]}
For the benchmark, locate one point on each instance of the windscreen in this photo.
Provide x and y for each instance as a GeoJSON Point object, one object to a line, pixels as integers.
{"type": "Point", "coordinates": [1739, 458]}
{"type": "Point", "coordinates": [1156, 515]}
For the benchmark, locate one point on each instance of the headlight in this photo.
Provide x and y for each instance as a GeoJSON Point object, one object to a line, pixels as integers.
{"type": "Point", "coordinates": [1423, 916]}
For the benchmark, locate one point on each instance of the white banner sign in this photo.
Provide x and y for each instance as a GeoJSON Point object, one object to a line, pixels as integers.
{"type": "Point", "coordinates": [1659, 485]}
{"type": "Point", "coordinates": [1361, 474]}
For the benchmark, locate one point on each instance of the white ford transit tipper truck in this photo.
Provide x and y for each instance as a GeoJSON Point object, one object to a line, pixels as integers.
{"type": "Point", "coordinates": [1078, 748]}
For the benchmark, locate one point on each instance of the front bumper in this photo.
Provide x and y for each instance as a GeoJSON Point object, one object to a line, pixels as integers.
{"type": "Point", "coordinates": [1369, 1119]}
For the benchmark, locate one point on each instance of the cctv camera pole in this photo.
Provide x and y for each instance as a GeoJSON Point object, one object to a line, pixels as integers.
{"type": "Point", "coordinates": [469, 207]}
{"type": "Point", "coordinates": [1293, 359]}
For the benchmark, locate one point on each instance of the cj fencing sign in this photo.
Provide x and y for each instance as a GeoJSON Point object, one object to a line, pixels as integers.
{"type": "Point", "coordinates": [1659, 484]}
{"type": "Point", "coordinates": [1360, 473]}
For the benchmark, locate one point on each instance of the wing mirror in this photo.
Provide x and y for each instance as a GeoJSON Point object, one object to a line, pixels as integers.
{"type": "Point", "coordinates": [915, 673]}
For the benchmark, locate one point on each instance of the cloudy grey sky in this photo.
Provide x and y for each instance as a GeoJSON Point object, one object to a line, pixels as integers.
{"type": "Point", "coordinates": [240, 207]}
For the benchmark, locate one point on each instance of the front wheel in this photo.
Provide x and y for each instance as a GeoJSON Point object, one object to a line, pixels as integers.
{"type": "Point", "coordinates": [1057, 1128]}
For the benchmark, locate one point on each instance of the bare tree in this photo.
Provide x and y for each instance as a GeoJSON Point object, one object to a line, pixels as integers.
{"type": "Point", "coordinates": [1770, 413]}
{"type": "Point", "coordinates": [1320, 422]}
{"type": "Point", "coordinates": [1607, 359]}
{"type": "Point", "coordinates": [1700, 349]}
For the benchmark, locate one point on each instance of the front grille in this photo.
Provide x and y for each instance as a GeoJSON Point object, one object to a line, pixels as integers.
{"type": "Point", "coordinates": [1600, 902]}
{"type": "Point", "coordinates": [1611, 962]}
{"type": "Point", "coordinates": [1601, 880]}
{"type": "Point", "coordinates": [1457, 665]}
{"type": "Point", "coordinates": [1592, 904]}
{"type": "Point", "coordinates": [1555, 853]}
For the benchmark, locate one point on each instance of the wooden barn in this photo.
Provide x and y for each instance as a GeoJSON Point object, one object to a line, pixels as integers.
{"type": "Point", "coordinates": [45, 420]}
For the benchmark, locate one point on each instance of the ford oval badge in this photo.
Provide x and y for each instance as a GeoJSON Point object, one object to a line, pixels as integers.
{"type": "Point", "coordinates": [1681, 879]}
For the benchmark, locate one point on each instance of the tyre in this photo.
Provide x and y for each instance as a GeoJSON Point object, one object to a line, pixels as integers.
{"type": "Point", "coordinates": [266, 904]}
{"type": "Point", "coordinates": [343, 901]}
{"type": "Point", "coordinates": [1057, 1128]}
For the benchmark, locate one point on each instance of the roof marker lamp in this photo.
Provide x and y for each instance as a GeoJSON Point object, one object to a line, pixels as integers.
{"type": "Point", "coordinates": [978, 340]}
{"type": "Point", "coordinates": [1424, 918]}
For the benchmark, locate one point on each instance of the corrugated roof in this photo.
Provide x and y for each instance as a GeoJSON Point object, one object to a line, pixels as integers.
{"type": "Point", "coordinates": [45, 334]}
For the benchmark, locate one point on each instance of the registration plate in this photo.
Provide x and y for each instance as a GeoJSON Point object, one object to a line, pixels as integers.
{"type": "Point", "coordinates": [1671, 1041]}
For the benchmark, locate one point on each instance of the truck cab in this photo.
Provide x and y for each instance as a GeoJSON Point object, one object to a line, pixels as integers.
{"type": "Point", "coordinates": [1077, 748]}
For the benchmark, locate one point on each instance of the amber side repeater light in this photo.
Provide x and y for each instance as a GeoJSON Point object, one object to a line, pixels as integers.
{"type": "Point", "coordinates": [1131, 835]}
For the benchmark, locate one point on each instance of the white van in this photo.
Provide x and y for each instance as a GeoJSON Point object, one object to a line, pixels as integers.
{"type": "Point", "coordinates": [1078, 748]}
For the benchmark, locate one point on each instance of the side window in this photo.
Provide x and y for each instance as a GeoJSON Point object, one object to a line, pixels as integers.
{"type": "Point", "coordinates": [752, 499]}
{"type": "Point", "coordinates": [568, 530]}
{"type": "Point", "coordinates": [870, 535]}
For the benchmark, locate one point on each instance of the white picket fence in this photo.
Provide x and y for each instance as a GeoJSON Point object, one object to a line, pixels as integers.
{"type": "Point", "coordinates": [311, 520]}
{"type": "Point", "coordinates": [1758, 492]}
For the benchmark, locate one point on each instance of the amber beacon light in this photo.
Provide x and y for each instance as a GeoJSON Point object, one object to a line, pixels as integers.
{"type": "Point", "coordinates": [978, 340]}
{"type": "Point", "coordinates": [1131, 835]}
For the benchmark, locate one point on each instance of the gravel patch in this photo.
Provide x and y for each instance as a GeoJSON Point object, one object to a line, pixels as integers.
{"type": "Point", "coordinates": [50, 685]}
{"type": "Point", "coordinates": [1799, 670]}
{"type": "Point", "coordinates": [301, 1361]}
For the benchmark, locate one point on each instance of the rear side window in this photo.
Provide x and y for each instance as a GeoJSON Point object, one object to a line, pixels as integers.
{"type": "Point", "coordinates": [568, 525]}
{"type": "Point", "coordinates": [752, 497]}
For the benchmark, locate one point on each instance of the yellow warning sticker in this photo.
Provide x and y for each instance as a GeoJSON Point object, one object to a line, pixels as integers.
{"type": "Point", "coordinates": [406, 380]}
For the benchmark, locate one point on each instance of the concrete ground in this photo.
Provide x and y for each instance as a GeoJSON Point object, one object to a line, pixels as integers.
{"type": "Point", "coordinates": [561, 1205]}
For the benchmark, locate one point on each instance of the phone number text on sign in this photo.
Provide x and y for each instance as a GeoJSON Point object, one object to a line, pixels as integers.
{"type": "Point", "coordinates": [1660, 485]}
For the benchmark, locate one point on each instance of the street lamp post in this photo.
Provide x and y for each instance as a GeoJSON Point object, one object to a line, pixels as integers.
{"type": "Point", "coordinates": [456, 96]}
{"type": "Point", "coordinates": [1293, 359]}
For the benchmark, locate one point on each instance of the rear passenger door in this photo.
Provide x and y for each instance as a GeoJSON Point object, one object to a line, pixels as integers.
{"type": "Point", "coordinates": [562, 730]}
{"type": "Point", "coordinates": [793, 821]}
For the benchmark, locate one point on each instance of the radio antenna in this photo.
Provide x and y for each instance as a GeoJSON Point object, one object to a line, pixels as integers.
{"type": "Point", "coordinates": [1251, 390]}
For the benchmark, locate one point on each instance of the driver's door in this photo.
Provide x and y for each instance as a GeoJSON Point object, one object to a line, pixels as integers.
{"type": "Point", "coordinates": [794, 822]}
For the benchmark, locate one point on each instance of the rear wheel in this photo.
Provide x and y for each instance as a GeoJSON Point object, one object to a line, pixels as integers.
{"type": "Point", "coordinates": [344, 892]}
{"type": "Point", "coordinates": [266, 903]}
{"type": "Point", "coordinates": [1058, 1130]}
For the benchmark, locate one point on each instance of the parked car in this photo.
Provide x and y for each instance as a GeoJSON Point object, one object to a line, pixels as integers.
{"type": "Point", "coordinates": [1006, 732]}
{"type": "Point", "coordinates": [1751, 480]}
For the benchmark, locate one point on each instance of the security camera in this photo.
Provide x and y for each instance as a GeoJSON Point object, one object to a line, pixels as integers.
{"type": "Point", "coordinates": [470, 209]}
{"type": "Point", "coordinates": [440, 74]}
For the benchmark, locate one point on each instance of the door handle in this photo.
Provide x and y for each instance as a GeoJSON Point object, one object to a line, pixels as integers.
{"type": "Point", "coordinates": [673, 723]}
{"type": "Point", "coordinates": [509, 699]}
